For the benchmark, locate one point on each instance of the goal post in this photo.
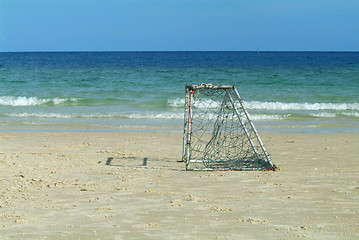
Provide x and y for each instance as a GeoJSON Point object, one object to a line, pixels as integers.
{"type": "Point", "coordinates": [218, 133]}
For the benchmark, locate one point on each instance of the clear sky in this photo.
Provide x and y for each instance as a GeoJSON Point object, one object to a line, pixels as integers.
{"type": "Point", "coordinates": [160, 25]}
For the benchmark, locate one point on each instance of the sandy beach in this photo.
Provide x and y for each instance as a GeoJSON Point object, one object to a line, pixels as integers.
{"type": "Point", "coordinates": [73, 185]}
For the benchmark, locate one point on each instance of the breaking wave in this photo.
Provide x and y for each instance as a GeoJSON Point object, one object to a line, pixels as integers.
{"type": "Point", "coordinates": [34, 101]}
{"type": "Point", "coordinates": [257, 105]}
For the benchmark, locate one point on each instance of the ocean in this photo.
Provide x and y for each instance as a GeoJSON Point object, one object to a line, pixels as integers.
{"type": "Point", "coordinates": [144, 91]}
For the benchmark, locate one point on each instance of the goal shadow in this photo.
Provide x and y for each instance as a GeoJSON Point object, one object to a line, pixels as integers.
{"type": "Point", "coordinates": [126, 162]}
{"type": "Point", "coordinates": [144, 163]}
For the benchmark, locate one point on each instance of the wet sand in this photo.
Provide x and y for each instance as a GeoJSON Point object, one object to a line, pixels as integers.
{"type": "Point", "coordinates": [130, 186]}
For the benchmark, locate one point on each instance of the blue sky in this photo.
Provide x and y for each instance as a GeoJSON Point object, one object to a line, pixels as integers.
{"type": "Point", "coordinates": [161, 25]}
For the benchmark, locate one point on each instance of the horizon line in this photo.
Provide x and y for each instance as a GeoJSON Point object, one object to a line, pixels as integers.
{"type": "Point", "coordinates": [255, 51]}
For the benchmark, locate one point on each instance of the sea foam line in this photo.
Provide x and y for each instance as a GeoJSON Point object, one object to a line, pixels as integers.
{"type": "Point", "coordinates": [351, 114]}
{"type": "Point", "coordinates": [138, 115]}
{"type": "Point", "coordinates": [32, 101]}
{"type": "Point", "coordinates": [324, 115]}
{"type": "Point", "coordinates": [257, 105]}
{"type": "Point", "coordinates": [59, 115]}
{"type": "Point", "coordinates": [143, 115]}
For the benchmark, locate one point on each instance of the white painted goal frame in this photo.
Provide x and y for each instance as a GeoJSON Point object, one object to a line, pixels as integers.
{"type": "Point", "coordinates": [218, 133]}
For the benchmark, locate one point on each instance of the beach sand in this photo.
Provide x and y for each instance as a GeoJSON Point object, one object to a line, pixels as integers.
{"type": "Point", "coordinates": [82, 185]}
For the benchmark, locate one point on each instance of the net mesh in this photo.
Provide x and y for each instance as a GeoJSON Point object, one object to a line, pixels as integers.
{"type": "Point", "coordinates": [219, 134]}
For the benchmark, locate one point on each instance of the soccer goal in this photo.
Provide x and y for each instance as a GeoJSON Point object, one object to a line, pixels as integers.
{"type": "Point", "coordinates": [218, 134]}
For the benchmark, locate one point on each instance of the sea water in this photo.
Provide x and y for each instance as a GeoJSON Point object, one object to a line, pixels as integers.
{"type": "Point", "coordinates": [144, 91]}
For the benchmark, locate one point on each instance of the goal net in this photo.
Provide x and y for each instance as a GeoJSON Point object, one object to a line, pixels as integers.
{"type": "Point", "coordinates": [218, 134]}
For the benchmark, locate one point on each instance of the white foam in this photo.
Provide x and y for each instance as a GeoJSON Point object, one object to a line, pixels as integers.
{"type": "Point", "coordinates": [175, 103]}
{"type": "Point", "coordinates": [258, 105]}
{"type": "Point", "coordinates": [255, 117]}
{"type": "Point", "coordinates": [148, 115]}
{"type": "Point", "coordinates": [144, 115]}
{"type": "Point", "coordinates": [39, 115]}
{"type": "Point", "coordinates": [201, 104]}
{"type": "Point", "coordinates": [351, 114]}
{"type": "Point", "coordinates": [180, 116]}
{"type": "Point", "coordinates": [324, 115]}
{"type": "Point", "coordinates": [32, 101]}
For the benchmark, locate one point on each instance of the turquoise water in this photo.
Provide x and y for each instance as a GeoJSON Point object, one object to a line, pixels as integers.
{"type": "Point", "coordinates": [120, 91]}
